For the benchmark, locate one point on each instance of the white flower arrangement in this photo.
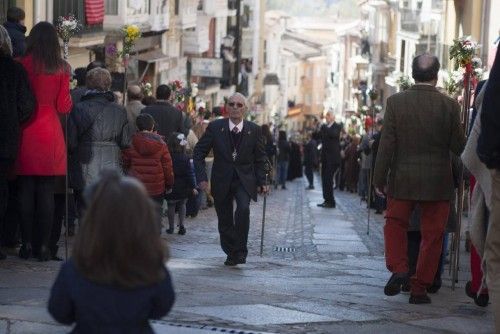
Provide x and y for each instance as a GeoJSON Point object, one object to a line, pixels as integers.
{"type": "Point", "coordinates": [67, 27]}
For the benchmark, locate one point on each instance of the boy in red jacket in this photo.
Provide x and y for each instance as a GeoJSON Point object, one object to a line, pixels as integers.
{"type": "Point", "coordinates": [148, 159]}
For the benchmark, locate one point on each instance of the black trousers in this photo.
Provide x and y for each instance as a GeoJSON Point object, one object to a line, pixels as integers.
{"type": "Point", "coordinates": [234, 225]}
{"type": "Point", "coordinates": [327, 172]}
{"type": "Point", "coordinates": [36, 207]}
{"type": "Point", "coordinates": [4, 191]}
{"type": "Point", "coordinates": [308, 170]}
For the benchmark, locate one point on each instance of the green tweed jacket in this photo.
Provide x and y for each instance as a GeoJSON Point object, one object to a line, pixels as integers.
{"type": "Point", "coordinates": [421, 127]}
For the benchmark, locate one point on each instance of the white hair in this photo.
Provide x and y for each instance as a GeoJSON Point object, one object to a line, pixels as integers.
{"type": "Point", "coordinates": [5, 43]}
{"type": "Point", "coordinates": [241, 96]}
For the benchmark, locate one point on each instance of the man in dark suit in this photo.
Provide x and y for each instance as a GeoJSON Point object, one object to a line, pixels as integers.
{"type": "Point", "coordinates": [168, 119]}
{"type": "Point", "coordinates": [330, 157]}
{"type": "Point", "coordinates": [421, 127]}
{"type": "Point", "coordinates": [238, 174]}
{"type": "Point", "coordinates": [17, 30]}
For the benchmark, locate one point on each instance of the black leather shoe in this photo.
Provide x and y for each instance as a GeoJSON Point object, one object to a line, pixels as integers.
{"type": "Point", "coordinates": [170, 230]}
{"type": "Point", "coordinates": [25, 251]}
{"type": "Point", "coordinates": [393, 286]}
{"type": "Point", "coordinates": [327, 205]}
{"type": "Point", "coordinates": [482, 299]}
{"type": "Point", "coordinates": [241, 260]}
{"type": "Point", "coordinates": [436, 285]}
{"type": "Point", "coordinates": [423, 299]}
{"type": "Point", "coordinates": [230, 262]}
{"type": "Point", "coordinates": [182, 230]}
{"type": "Point", "coordinates": [310, 188]}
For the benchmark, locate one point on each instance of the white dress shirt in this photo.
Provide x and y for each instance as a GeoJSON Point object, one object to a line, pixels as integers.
{"type": "Point", "coordinates": [232, 126]}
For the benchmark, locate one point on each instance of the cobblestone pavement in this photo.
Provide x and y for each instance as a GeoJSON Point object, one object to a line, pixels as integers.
{"type": "Point", "coordinates": [320, 273]}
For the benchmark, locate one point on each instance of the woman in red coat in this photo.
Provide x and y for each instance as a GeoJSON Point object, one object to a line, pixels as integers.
{"type": "Point", "coordinates": [42, 154]}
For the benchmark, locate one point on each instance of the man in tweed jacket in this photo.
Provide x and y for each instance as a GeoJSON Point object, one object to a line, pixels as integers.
{"type": "Point", "coordinates": [421, 127]}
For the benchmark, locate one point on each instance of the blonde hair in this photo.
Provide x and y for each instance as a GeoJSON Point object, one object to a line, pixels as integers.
{"type": "Point", "coordinates": [5, 43]}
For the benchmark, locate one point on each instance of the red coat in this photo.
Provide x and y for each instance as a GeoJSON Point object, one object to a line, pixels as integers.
{"type": "Point", "coordinates": [42, 148]}
{"type": "Point", "coordinates": [148, 160]}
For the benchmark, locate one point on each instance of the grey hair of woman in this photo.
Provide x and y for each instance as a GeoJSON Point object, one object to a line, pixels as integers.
{"type": "Point", "coordinates": [99, 79]}
{"type": "Point", "coordinates": [5, 43]}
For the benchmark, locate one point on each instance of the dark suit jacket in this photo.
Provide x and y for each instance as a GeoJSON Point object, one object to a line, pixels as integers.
{"type": "Point", "coordinates": [488, 144]}
{"type": "Point", "coordinates": [168, 119]}
{"type": "Point", "coordinates": [421, 127]}
{"type": "Point", "coordinates": [330, 138]}
{"type": "Point", "coordinates": [249, 164]}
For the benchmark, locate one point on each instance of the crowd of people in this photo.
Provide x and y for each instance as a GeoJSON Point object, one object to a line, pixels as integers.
{"type": "Point", "coordinates": [127, 165]}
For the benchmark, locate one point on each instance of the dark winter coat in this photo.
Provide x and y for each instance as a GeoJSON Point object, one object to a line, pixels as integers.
{"type": "Point", "coordinates": [148, 160]}
{"type": "Point", "coordinates": [311, 154]}
{"type": "Point", "coordinates": [16, 106]}
{"type": "Point", "coordinates": [17, 36]}
{"type": "Point", "coordinates": [98, 308]}
{"type": "Point", "coordinates": [283, 150]}
{"type": "Point", "coordinates": [488, 145]}
{"type": "Point", "coordinates": [168, 119]}
{"type": "Point", "coordinates": [97, 132]}
{"type": "Point", "coordinates": [295, 162]}
{"type": "Point", "coordinates": [184, 180]}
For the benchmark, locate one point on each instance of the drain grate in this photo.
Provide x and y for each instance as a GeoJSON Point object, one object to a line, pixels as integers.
{"type": "Point", "coordinates": [284, 249]}
{"type": "Point", "coordinates": [208, 328]}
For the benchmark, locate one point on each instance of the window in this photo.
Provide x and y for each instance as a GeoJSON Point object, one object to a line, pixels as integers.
{"type": "Point", "coordinates": [111, 7]}
{"type": "Point", "coordinates": [137, 7]}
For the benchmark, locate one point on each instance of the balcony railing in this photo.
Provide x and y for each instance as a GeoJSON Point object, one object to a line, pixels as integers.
{"type": "Point", "coordinates": [410, 20]}
{"type": "Point", "coordinates": [77, 8]}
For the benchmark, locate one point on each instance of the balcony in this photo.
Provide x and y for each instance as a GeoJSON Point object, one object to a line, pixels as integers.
{"type": "Point", "coordinates": [215, 8]}
{"type": "Point", "coordinates": [187, 13]}
{"type": "Point", "coordinates": [120, 13]}
{"type": "Point", "coordinates": [197, 41]}
{"type": "Point", "coordinates": [88, 35]}
{"type": "Point", "coordinates": [410, 20]}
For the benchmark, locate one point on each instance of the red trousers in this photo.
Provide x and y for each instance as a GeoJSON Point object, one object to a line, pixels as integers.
{"type": "Point", "coordinates": [433, 219]}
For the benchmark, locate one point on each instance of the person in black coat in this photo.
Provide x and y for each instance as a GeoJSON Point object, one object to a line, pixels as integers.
{"type": "Point", "coordinates": [184, 181]}
{"type": "Point", "coordinates": [238, 173]}
{"type": "Point", "coordinates": [310, 160]}
{"type": "Point", "coordinates": [17, 30]}
{"type": "Point", "coordinates": [116, 279]}
{"type": "Point", "coordinates": [330, 158]}
{"type": "Point", "coordinates": [168, 119]}
{"type": "Point", "coordinates": [16, 106]}
{"type": "Point", "coordinates": [295, 162]}
{"type": "Point", "coordinates": [283, 158]}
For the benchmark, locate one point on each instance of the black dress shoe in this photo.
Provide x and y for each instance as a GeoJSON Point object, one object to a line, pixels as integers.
{"type": "Point", "coordinates": [56, 258]}
{"type": "Point", "coordinates": [482, 299]}
{"type": "Point", "coordinates": [230, 262]}
{"type": "Point", "coordinates": [393, 286]}
{"type": "Point", "coordinates": [170, 230]}
{"type": "Point", "coordinates": [241, 260]}
{"type": "Point", "coordinates": [182, 230]}
{"type": "Point", "coordinates": [25, 251]}
{"type": "Point", "coordinates": [327, 205]}
{"type": "Point", "coordinates": [436, 285]}
{"type": "Point", "coordinates": [422, 299]}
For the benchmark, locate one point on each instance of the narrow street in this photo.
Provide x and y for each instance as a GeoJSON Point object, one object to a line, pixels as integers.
{"type": "Point", "coordinates": [320, 273]}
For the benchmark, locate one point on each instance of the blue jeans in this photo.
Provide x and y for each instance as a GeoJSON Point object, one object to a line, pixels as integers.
{"type": "Point", "coordinates": [282, 172]}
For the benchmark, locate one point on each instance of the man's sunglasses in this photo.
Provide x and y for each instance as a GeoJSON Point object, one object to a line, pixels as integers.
{"type": "Point", "coordinates": [234, 104]}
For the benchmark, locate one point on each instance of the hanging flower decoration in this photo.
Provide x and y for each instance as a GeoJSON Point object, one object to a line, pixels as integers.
{"type": "Point", "coordinates": [404, 82]}
{"type": "Point", "coordinates": [373, 94]}
{"type": "Point", "coordinates": [67, 27]}
{"type": "Point", "coordinates": [147, 89]}
{"type": "Point", "coordinates": [182, 96]}
{"type": "Point", "coordinates": [130, 35]}
{"type": "Point", "coordinates": [454, 82]}
{"type": "Point", "coordinates": [463, 52]}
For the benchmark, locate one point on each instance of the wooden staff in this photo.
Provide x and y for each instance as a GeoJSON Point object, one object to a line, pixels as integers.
{"type": "Point", "coordinates": [455, 255]}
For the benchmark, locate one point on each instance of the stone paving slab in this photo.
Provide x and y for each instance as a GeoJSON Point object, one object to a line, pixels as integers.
{"type": "Point", "coordinates": [339, 312]}
{"type": "Point", "coordinates": [456, 325]}
{"type": "Point", "coordinates": [258, 314]}
{"type": "Point", "coordinates": [344, 247]}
